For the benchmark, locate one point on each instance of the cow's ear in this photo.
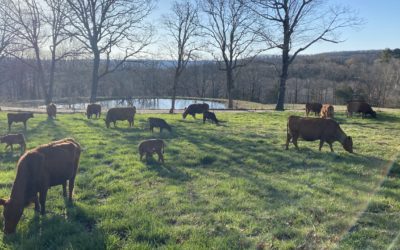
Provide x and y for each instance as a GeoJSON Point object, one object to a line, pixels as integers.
{"type": "Point", "coordinates": [3, 202]}
{"type": "Point", "coordinates": [349, 137]}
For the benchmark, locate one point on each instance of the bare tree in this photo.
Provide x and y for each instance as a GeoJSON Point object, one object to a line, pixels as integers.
{"type": "Point", "coordinates": [6, 35]}
{"type": "Point", "coordinates": [298, 24]}
{"type": "Point", "coordinates": [57, 21]}
{"type": "Point", "coordinates": [106, 26]}
{"type": "Point", "coordinates": [182, 26]}
{"type": "Point", "coordinates": [230, 27]}
{"type": "Point", "coordinates": [27, 26]}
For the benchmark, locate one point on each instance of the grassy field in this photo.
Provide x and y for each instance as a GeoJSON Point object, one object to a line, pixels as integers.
{"type": "Point", "coordinates": [222, 187]}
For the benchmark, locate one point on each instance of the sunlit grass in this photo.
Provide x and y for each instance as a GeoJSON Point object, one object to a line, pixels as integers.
{"type": "Point", "coordinates": [222, 187]}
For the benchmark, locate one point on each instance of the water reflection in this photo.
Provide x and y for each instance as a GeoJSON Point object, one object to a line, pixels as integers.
{"type": "Point", "coordinates": [154, 103]}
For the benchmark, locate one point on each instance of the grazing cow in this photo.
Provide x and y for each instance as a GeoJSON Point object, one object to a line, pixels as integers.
{"type": "Point", "coordinates": [11, 139]}
{"type": "Point", "coordinates": [360, 107]}
{"type": "Point", "coordinates": [210, 116]}
{"type": "Point", "coordinates": [18, 117]}
{"type": "Point", "coordinates": [158, 123]}
{"type": "Point", "coordinates": [37, 170]}
{"type": "Point", "coordinates": [196, 108]}
{"type": "Point", "coordinates": [327, 111]}
{"type": "Point", "coordinates": [313, 107]}
{"type": "Point", "coordinates": [93, 109]}
{"type": "Point", "coordinates": [151, 146]}
{"type": "Point", "coordinates": [120, 114]}
{"type": "Point", "coordinates": [51, 110]}
{"type": "Point", "coordinates": [311, 129]}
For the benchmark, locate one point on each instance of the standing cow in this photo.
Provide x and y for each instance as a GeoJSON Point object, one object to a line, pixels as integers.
{"type": "Point", "coordinates": [313, 107]}
{"type": "Point", "coordinates": [37, 170]}
{"type": "Point", "coordinates": [18, 117]}
{"type": "Point", "coordinates": [360, 107]}
{"type": "Point", "coordinates": [327, 111]}
{"type": "Point", "coordinates": [120, 114]}
{"type": "Point", "coordinates": [93, 109]}
{"type": "Point", "coordinates": [196, 108]}
{"type": "Point", "coordinates": [312, 129]}
{"type": "Point", "coordinates": [51, 110]}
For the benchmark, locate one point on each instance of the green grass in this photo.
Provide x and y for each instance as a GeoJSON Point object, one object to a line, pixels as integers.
{"type": "Point", "coordinates": [222, 187]}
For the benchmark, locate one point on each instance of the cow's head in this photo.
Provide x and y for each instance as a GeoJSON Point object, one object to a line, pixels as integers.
{"type": "Point", "coordinates": [373, 114]}
{"type": "Point", "coordinates": [348, 144]}
{"type": "Point", "coordinates": [12, 214]}
{"type": "Point", "coordinates": [107, 123]}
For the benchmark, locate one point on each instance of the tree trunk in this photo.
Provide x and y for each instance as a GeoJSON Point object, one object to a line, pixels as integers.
{"type": "Point", "coordinates": [176, 79]}
{"type": "Point", "coordinates": [41, 74]}
{"type": "Point", "coordinates": [229, 82]}
{"type": "Point", "coordinates": [95, 77]}
{"type": "Point", "coordinates": [51, 78]}
{"type": "Point", "coordinates": [282, 84]}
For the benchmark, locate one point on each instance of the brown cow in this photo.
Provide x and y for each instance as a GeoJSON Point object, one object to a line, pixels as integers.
{"type": "Point", "coordinates": [93, 109]}
{"type": "Point", "coordinates": [51, 110]}
{"type": "Point", "coordinates": [312, 129]}
{"type": "Point", "coordinates": [37, 170]}
{"type": "Point", "coordinates": [151, 146]}
{"type": "Point", "coordinates": [158, 123]}
{"type": "Point", "coordinates": [360, 107]}
{"type": "Point", "coordinates": [327, 111]}
{"type": "Point", "coordinates": [18, 117]}
{"type": "Point", "coordinates": [120, 114]}
{"type": "Point", "coordinates": [313, 107]}
{"type": "Point", "coordinates": [11, 139]}
{"type": "Point", "coordinates": [196, 108]}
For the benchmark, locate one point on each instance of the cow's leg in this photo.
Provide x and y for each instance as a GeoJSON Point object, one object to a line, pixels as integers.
{"type": "Point", "coordinates": [141, 156]}
{"type": "Point", "coordinates": [71, 184]}
{"type": "Point", "coordinates": [5, 148]}
{"type": "Point", "coordinates": [151, 129]}
{"type": "Point", "coordinates": [11, 146]}
{"type": "Point", "coordinates": [289, 136]}
{"type": "Point", "coordinates": [321, 143]}
{"type": "Point", "coordinates": [64, 185]}
{"type": "Point", "coordinates": [194, 116]}
{"type": "Point", "coordinates": [160, 157]}
{"type": "Point", "coordinates": [294, 139]}
{"type": "Point", "coordinates": [25, 125]}
{"type": "Point", "coordinates": [330, 145]}
{"type": "Point", "coordinates": [36, 201]}
{"type": "Point", "coordinates": [147, 157]}
{"type": "Point", "coordinates": [9, 125]}
{"type": "Point", "coordinates": [42, 200]}
{"type": "Point", "coordinates": [161, 129]}
{"type": "Point", "coordinates": [114, 124]}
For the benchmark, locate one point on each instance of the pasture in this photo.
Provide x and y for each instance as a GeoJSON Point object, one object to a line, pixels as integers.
{"type": "Point", "coordinates": [231, 186]}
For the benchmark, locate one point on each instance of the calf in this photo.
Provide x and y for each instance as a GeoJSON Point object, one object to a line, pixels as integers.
{"type": "Point", "coordinates": [360, 107]}
{"type": "Point", "coordinates": [37, 170]}
{"type": "Point", "coordinates": [151, 146]}
{"type": "Point", "coordinates": [120, 114]}
{"type": "Point", "coordinates": [51, 110]}
{"type": "Point", "coordinates": [11, 139]}
{"type": "Point", "coordinates": [327, 111]}
{"type": "Point", "coordinates": [18, 117]}
{"type": "Point", "coordinates": [313, 107]}
{"type": "Point", "coordinates": [158, 123]}
{"type": "Point", "coordinates": [311, 129]}
{"type": "Point", "coordinates": [196, 108]}
{"type": "Point", "coordinates": [93, 109]}
{"type": "Point", "coordinates": [207, 115]}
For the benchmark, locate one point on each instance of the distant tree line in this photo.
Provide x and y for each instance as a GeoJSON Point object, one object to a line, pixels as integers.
{"type": "Point", "coordinates": [329, 78]}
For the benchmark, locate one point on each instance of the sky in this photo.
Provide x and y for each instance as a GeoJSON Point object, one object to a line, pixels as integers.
{"type": "Point", "coordinates": [380, 29]}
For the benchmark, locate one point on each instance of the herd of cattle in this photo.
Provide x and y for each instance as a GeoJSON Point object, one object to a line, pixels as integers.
{"type": "Point", "coordinates": [56, 163]}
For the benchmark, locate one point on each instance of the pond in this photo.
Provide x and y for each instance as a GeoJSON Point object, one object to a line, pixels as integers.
{"type": "Point", "coordinates": [145, 103]}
